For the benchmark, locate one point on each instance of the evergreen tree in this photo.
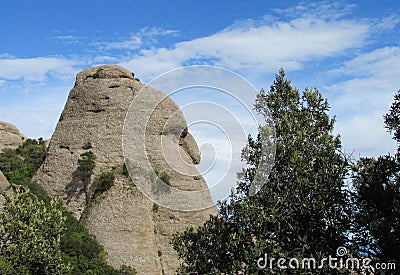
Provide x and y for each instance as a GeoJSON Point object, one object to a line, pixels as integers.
{"type": "Point", "coordinates": [376, 198]}
{"type": "Point", "coordinates": [300, 210]}
{"type": "Point", "coordinates": [86, 165]}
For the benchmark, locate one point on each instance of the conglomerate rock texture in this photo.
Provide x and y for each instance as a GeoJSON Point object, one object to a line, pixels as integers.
{"type": "Point", "coordinates": [5, 190]}
{"type": "Point", "coordinates": [10, 136]}
{"type": "Point", "coordinates": [123, 219]}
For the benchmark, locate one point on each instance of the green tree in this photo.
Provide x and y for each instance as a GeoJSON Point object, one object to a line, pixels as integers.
{"type": "Point", "coordinates": [102, 183]}
{"type": "Point", "coordinates": [376, 198]}
{"type": "Point", "coordinates": [301, 209]}
{"type": "Point", "coordinates": [86, 165]}
{"type": "Point", "coordinates": [30, 235]}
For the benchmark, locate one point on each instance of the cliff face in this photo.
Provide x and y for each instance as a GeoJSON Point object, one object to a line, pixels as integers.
{"type": "Point", "coordinates": [10, 136]}
{"type": "Point", "coordinates": [123, 218]}
{"type": "Point", "coordinates": [5, 189]}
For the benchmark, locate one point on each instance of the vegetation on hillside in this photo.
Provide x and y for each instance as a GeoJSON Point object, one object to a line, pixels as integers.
{"type": "Point", "coordinates": [46, 238]}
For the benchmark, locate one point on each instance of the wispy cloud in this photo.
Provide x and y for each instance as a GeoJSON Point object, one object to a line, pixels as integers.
{"type": "Point", "coordinates": [146, 37]}
{"type": "Point", "coordinates": [325, 10]}
{"type": "Point", "coordinates": [364, 97]}
{"type": "Point", "coordinates": [6, 56]}
{"type": "Point", "coordinates": [36, 69]}
{"type": "Point", "coordinates": [68, 39]}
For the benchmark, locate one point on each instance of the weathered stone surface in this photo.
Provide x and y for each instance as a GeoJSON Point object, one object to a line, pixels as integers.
{"type": "Point", "coordinates": [5, 189]}
{"type": "Point", "coordinates": [10, 136]}
{"type": "Point", "coordinates": [122, 218]}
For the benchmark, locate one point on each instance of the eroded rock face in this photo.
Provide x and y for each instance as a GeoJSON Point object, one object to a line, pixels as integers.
{"type": "Point", "coordinates": [122, 219]}
{"type": "Point", "coordinates": [5, 190]}
{"type": "Point", "coordinates": [10, 136]}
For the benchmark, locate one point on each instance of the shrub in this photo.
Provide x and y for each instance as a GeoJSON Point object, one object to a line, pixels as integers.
{"type": "Point", "coordinates": [126, 270]}
{"type": "Point", "coordinates": [155, 208]}
{"type": "Point", "coordinates": [30, 235]}
{"type": "Point", "coordinates": [86, 165]}
{"type": "Point", "coordinates": [102, 183]}
{"type": "Point", "coordinates": [19, 165]}
{"type": "Point", "coordinates": [125, 170]}
{"type": "Point", "coordinates": [163, 176]}
{"type": "Point", "coordinates": [96, 75]}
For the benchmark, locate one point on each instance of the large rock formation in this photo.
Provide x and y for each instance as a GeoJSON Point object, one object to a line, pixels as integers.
{"type": "Point", "coordinates": [124, 220]}
{"type": "Point", "coordinates": [10, 136]}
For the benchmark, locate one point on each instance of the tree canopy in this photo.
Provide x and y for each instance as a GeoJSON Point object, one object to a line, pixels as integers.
{"type": "Point", "coordinates": [301, 209]}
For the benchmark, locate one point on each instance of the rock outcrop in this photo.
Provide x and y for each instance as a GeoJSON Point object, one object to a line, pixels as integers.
{"type": "Point", "coordinates": [133, 229]}
{"type": "Point", "coordinates": [10, 136]}
{"type": "Point", "coordinates": [5, 190]}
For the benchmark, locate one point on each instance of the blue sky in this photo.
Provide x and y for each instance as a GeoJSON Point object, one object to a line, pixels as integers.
{"type": "Point", "coordinates": [350, 50]}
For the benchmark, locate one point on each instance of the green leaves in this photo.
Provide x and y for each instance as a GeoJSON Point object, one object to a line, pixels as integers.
{"type": "Point", "coordinates": [376, 199]}
{"type": "Point", "coordinates": [30, 234]}
{"type": "Point", "coordinates": [86, 165]}
{"type": "Point", "coordinates": [102, 183]}
{"type": "Point", "coordinates": [19, 165]}
{"type": "Point", "coordinates": [301, 210]}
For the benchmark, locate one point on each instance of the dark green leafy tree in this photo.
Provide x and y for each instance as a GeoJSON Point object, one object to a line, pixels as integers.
{"type": "Point", "coordinates": [102, 183]}
{"type": "Point", "coordinates": [30, 235]}
{"type": "Point", "coordinates": [86, 165]}
{"type": "Point", "coordinates": [301, 210]}
{"type": "Point", "coordinates": [376, 199]}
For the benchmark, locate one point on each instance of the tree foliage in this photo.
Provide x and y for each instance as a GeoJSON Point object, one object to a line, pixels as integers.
{"type": "Point", "coordinates": [20, 165]}
{"type": "Point", "coordinates": [300, 210]}
{"type": "Point", "coordinates": [79, 250]}
{"type": "Point", "coordinates": [102, 183]}
{"type": "Point", "coordinates": [30, 235]}
{"type": "Point", "coordinates": [86, 165]}
{"type": "Point", "coordinates": [376, 199]}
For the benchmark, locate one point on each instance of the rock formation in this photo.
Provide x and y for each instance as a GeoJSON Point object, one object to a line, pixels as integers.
{"type": "Point", "coordinates": [133, 230]}
{"type": "Point", "coordinates": [10, 136]}
{"type": "Point", "coordinates": [5, 189]}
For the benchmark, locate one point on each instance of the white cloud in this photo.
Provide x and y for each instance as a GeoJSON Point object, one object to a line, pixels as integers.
{"type": "Point", "coordinates": [36, 69]}
{"type": "Point", "coordinates": [6, 55]}
{"type": "Point", "coordinates": [35, 114]}
{"type": "Point", "coordinates": [132, 43]}
{"type": "Point", "coordinates": [326, 10]}
{"type": "Point", "coordinates": [364, 135]}
{"type": "Point", "coordinates": [143, 38]}
{"type": "Point", "coordinates": [371, 81]}
{"type": "Point", "coordinates": [257, 46]}
{"type": "Point", "coordinates": [361, 101]}
{"type": "Point", "coordinates": [68, 39]}
{"type": "Point", "coordinates": [387, 23]}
